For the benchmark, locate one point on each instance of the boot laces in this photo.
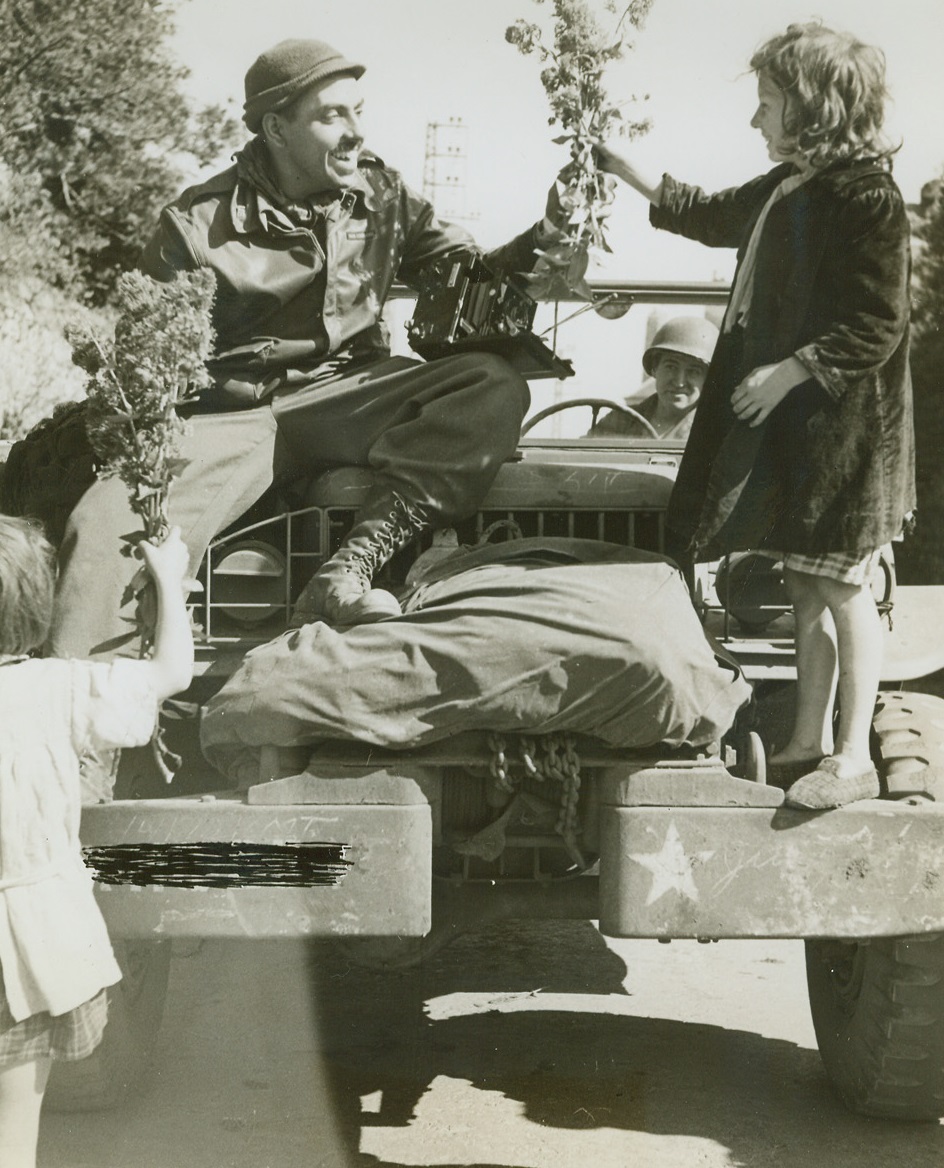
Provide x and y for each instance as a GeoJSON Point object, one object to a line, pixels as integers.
{"type": "Point", "coordinates": [403, 521]}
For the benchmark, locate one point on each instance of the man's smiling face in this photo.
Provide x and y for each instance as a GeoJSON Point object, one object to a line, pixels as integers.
{"type": "Point", "coordinates": [315, 143]}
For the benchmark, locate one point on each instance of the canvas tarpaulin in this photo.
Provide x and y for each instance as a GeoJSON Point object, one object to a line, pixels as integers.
{"type": "Point", "coordinates": [528, 635]}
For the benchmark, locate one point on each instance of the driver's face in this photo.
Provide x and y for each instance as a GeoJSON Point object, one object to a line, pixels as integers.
{"type": "Point", "coordinates": [678, 381]}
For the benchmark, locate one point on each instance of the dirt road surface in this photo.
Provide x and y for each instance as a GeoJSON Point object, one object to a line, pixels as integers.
{"type": "Point", "coordinates": [520, 1046]}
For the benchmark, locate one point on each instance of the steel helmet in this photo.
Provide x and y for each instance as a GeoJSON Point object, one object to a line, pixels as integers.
{"type": "Point", "coordinates": [693, 336]}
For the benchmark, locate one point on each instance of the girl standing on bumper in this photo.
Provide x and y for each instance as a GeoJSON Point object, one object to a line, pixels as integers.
{"type": "Point", "coordinates": [803, 442]}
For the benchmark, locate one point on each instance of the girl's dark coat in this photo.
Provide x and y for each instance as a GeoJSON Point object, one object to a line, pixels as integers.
{"type": "Point", "coordinates": [832, 468]}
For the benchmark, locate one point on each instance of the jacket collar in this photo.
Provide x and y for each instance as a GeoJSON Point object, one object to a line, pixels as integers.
{"type": "Point", "coordinates": [257, 202]}
{"type": "Point", "coordinates": [844, 172]}
{"type": "Point", "coordinates": [836, 175]}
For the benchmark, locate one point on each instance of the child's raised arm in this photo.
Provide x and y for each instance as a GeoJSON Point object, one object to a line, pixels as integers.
{"type": "Point", "coordinates": [613, 157]}
{"type": "Point", "coordinates": [172, 656]}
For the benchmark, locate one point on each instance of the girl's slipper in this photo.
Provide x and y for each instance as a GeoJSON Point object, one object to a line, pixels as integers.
{"type": "Point", "coordinates": [825, 788]}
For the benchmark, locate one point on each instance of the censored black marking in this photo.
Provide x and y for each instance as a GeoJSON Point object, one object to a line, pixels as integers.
{"type": "Point", "coordinates": [220, 865]}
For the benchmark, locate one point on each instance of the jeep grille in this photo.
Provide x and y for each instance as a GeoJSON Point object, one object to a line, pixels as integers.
{"type": "Point", "coordinates": [252, 575]}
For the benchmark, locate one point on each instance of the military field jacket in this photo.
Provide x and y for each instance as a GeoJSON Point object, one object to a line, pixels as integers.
{"type": "Point", "coordinates": [300, 285]}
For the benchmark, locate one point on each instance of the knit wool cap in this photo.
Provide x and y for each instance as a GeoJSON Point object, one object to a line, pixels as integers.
{"type": "Point", "coordinates": [280, 74]}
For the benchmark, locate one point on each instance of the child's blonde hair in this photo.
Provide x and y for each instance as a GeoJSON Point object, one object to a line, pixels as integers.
{"type": "Point", "coordinates": [835, 92]}
{"type": "Point", "coordinates": [27, 581]}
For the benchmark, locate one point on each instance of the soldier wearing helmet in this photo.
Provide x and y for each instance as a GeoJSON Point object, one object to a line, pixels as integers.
{"type": "Point", "coordinates": [677, 361]}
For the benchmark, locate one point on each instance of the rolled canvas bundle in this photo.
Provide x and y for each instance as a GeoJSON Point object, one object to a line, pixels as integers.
{"type": "Point", "coordinates": [529, 635]}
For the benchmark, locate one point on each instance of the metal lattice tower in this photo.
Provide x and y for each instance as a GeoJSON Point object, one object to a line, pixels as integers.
{"type": "Point", "coordinates": [445, 169]}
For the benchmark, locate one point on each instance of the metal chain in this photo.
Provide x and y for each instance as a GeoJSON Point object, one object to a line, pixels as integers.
{"type": "Point", "coordinates": [551, 756]}
{"type": "Point", "coordinates": [529, 748]}
{"type": "Point", "coordinates": [562, 763]}
{"type": "Point", "coordinates": [497, 765]}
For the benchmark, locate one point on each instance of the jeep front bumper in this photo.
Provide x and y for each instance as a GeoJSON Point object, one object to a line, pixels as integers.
{"type": "Point", "coordinates": [685, 850]}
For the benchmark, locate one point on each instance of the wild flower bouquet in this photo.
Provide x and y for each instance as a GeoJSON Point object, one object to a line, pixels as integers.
{"type": "Point", "coordinates": [163, 337]}
{"type": "Point", "coordinates": [573, 77]}
{"type": "Point", "coordinates": [134, 383]}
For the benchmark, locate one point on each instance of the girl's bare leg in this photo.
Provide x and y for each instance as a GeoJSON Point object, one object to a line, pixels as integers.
{"type": "Point", "coordinates": [815, 633]}
{"type": "Point", "coordinates": [21, 1096]}
{"type": "Point", "coordinates": [847, 773]}
{"type": "Point", "coordinates": [859, 639]}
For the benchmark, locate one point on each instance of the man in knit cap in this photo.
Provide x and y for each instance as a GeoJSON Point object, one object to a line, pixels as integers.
{"type": "Point", "coordinates": [306, 234]}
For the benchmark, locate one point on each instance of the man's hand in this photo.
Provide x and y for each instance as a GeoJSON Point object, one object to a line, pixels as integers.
{"type": "Point", "coordinates": [765, 388]}
{"type": "Point", "coordinates": [556, 211]}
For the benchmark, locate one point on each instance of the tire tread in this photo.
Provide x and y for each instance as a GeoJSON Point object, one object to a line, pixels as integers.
{"type": "Point", "coordinates": [885, 1051]}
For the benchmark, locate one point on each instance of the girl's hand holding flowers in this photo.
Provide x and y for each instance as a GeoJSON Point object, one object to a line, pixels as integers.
{"type": "Point", "coordinates": [573, 81]}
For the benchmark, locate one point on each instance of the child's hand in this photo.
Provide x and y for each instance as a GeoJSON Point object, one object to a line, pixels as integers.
{"type": "Point", "coordinates": [171, 660]}
{"type": "Point", "coordinates": [765, 388]}
{"type": "Point", "coordinates": [168, 562]}
{"type": "Point", "coordinates": [613, 157]}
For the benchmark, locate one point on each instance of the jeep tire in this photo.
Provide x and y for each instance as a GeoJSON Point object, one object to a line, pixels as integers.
{"type": "Point", "coordinates": [908, 745]}
{"type": "Point", "coordinates": [878, 1012]}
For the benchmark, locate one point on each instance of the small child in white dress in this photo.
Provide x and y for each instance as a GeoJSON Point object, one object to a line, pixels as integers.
{"type": "Point", "coordinates": [55, 956]}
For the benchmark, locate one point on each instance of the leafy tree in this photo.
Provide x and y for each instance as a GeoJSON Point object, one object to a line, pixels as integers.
{"type": "Point", "coordinates": [922, 558]}
{"type": "Point", "coordinates": [928, 224]}
{"type": "Point", "coordinates": [92, 119]}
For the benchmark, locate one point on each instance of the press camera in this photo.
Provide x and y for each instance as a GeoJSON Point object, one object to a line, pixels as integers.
{"type": "Point", "coordinates": [465, 306]}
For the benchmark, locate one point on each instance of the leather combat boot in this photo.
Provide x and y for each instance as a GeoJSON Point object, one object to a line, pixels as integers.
{"type": "Point", "coordinates": [341, 592]}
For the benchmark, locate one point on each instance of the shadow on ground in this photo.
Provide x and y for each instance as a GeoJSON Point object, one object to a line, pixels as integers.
{"type": "Point", "coordinates": [583, 1068]}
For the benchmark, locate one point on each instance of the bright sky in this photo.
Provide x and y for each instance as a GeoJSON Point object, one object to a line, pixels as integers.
{"type": "Point", "coordinates": [432, 60]}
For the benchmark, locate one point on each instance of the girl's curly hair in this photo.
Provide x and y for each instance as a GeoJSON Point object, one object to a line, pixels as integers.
{"type": "Point", "coordinates": [27, 580]}
{"type": "Point", "coordinates": [835, 92]}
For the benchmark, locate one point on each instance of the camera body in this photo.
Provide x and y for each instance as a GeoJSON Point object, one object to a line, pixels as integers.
{"type": "Point", "coordinates": [465, 306]}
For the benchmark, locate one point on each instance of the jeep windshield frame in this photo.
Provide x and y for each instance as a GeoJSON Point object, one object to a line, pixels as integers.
{"type": "Point", "coordinates": [603, 339]}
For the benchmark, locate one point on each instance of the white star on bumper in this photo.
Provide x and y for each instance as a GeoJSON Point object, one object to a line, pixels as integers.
{"type": "Point", "coordinates": [671, 867]}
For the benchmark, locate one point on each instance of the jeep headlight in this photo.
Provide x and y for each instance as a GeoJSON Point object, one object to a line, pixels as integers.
{"type": "Point", "coordinates": [750, 587]}
{"type": "Point", "coordinates": [248, 582]}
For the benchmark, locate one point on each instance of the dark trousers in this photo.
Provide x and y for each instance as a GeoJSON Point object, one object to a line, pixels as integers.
{"type": "Point", "coordinates": [436, 433]}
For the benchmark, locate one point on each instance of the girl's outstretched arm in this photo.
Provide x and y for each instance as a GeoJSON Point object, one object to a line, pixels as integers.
{"type": "Point", "coordinates": [172, 657]}
{"type": "Point", "coordinates": [612, 156]}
